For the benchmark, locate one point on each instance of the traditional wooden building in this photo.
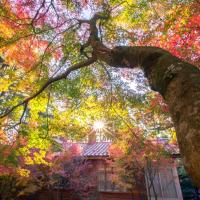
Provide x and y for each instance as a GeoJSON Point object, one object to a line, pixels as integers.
{"type": "Point", "coordinates": [97, 153]}
{"type": "Point", "coordinates": [166, 184]}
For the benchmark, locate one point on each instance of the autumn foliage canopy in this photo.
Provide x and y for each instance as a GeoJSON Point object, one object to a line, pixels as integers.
{"type": "Point", "coordinates": [42, 99]}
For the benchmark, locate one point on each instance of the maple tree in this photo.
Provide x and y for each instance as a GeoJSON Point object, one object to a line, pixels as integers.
{"type": "Point", "coordinates": [47, 88]}
{"type": "Point", "coordinates": [36, 173]}
{"type": "Point", "coordinates": [139, 151]}
{"type": "Point", "coordinates": [74, 172]}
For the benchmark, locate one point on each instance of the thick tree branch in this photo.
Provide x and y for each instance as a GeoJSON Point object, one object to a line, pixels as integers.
{"type": "Point", "coordinates": [99, 49]}
{"type": "Point", "coordinates": [49, 82]}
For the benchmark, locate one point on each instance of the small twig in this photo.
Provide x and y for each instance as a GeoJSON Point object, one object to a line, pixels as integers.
{"type": "Point", "coordinates": [127, 124]}
{"type": "Point", "coordinates": [36, 14]}
{"type": "Point", "coordinates": [151, 5]}
{"type": "Point", "coordinates": [47, 117]}
{"type": "Point", "coordinates": [21, 118]}
{"type": "Point", "coordinates": [110, 80]}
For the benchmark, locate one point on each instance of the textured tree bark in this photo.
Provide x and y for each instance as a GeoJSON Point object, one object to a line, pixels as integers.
{"type": "Point", "coordinates": [179, 84]}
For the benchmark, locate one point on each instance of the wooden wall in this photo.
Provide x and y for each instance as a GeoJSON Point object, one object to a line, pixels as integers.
{"type": "Point", "coordinates": [69, 195]}
{"type": "Point", "coordinates": [122, 196]}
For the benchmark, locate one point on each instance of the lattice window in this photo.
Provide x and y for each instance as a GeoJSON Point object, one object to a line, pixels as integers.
{"type": "Point", "coordinates": [105, 183]}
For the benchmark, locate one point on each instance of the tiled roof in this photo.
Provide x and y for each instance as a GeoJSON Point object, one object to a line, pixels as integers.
{"type": "Point", "coordinates": [96, 149]}
{"type": "Point", "coordinates": [90, 150]}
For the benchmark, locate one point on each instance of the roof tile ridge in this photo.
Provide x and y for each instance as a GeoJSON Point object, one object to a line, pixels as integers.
{"type": "Point", "coordinates": [102, 142]}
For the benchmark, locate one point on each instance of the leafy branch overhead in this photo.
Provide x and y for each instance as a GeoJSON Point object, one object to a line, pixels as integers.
{"type": "Point", "coordinates": [47, 46]}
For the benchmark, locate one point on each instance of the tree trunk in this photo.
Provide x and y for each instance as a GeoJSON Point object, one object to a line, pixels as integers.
{"type": "Point", "coordinates": [179, 84]}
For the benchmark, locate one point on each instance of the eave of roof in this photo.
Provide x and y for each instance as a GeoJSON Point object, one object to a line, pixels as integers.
{"type": "Point", "coordinates": [97, 149]}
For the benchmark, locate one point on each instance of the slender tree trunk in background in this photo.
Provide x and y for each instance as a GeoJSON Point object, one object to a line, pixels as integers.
{"type": "Point", "coordinates": [179, 84]}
